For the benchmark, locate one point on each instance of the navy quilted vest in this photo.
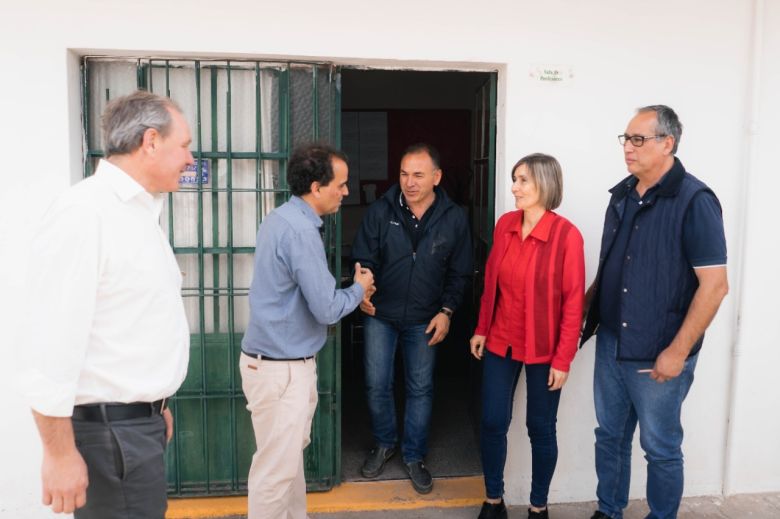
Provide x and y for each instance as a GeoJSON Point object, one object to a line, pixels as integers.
{"type": "Point", "coordinates": [661, 279]}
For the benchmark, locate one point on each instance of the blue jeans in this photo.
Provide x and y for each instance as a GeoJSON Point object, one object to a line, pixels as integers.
{"type": "Point", "coordinates": [624, 397]}
{"type": "Point", "coordinates": [381, 339]}
{"type": "Point", "coordinates": [499, 380]}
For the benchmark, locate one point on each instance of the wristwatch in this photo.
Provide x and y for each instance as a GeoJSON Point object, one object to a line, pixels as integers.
{"type": "Point", "coordinates": [446, 311]}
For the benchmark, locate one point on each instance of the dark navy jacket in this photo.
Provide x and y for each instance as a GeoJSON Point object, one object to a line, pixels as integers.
{"type": "Point", "coordinates": [659, 279]}
{"type": "Point", "coordinates": [413, 285]}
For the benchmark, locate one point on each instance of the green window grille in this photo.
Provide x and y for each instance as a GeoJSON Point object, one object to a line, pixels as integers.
{"type": "Point", "coordinates": [246, 117]}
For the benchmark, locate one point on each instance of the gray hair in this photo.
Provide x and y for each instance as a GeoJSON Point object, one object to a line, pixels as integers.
{"type": "Point", "coordinates": [546, 172]}
{"type": "Point", "coordinates": [667, 122]}
{"type": "Point", "coordinates": [127, 118]}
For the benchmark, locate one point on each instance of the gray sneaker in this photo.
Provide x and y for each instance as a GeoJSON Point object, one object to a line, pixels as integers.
{"type": "Point", "coordinates": [421, 478]}
{"type": "Point", "coordinates": [375, 461]}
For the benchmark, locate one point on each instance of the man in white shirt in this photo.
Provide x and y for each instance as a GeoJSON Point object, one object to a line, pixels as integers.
{"type": "Point", "coordinates": [111, 342]}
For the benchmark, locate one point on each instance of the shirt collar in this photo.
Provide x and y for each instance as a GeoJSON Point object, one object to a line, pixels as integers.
{"type": "Point", "coordinates": [307, 210]}
{"type": "Point", "coordinates": [668, 185]}
{"type": "Point", "coordinates": [126, 188]}
{"type": "Point", "coordinates": [542, 229]}
{"type": "Point", "coordinates": [404, 205]}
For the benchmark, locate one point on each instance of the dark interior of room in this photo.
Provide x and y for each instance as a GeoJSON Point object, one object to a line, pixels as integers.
{"type": "Point", "coordinates": [383, 112]}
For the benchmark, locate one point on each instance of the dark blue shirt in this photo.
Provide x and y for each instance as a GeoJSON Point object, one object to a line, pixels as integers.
{"type": "Point", "coordinates": [704, 245]}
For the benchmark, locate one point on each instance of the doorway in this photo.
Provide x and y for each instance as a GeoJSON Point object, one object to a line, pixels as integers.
{"type": "Point", "coordinates": [383, 112]}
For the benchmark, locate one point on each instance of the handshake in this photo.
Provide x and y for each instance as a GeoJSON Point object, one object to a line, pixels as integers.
{"type": "Point", "coordinates": [365, 278]}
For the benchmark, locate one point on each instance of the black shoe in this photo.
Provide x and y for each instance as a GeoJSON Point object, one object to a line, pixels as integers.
{"type": "Point", "coordinates": [375, 461]}
{"type": "Point", "coordinates": [600, 515]}
{"type": "Point", "coordinates": [493, 511]}
{"type": "Point", "coordinates": [421, 478]}
{"type": "Point", "coordinates": [537, 515]}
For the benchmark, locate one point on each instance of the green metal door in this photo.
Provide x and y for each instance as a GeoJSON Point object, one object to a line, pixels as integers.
{"type": "Point", "coordinates": [246, 117]}
{"type": "Point", "coordinates": [483, 193]}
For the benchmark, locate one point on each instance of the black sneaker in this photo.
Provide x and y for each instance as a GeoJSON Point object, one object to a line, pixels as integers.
{"type": "Point", "coordinates": [537, 515]}
{"type": "Point", "coordinates": [600, 515]}
{"type": "Point", "coordinates": [421, 478]}
{"type": "Point", "coordinates": [375, 461]}
{"type": "Point", "coordinates": [493, 511]}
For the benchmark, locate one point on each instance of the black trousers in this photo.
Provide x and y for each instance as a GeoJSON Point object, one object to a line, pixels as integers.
{"type": "Point", "coordinates": [125, 466]}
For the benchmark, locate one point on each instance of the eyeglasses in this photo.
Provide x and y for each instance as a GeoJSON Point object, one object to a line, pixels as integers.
{"type": "Point", "coordinates": [637, 140]}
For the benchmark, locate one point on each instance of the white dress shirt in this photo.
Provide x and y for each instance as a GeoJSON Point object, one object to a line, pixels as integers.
{"type": "Point", "coordinates": [107, 318]}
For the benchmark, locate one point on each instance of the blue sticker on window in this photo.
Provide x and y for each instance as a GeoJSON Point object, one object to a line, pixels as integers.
{"type": "Point", "coordinates": [189, 177]}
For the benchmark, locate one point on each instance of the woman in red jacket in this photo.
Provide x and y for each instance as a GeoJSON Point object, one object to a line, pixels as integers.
{"type": "Point", "coordinates": [530, 315]}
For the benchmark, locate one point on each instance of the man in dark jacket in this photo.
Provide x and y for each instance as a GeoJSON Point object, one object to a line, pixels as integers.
{"type": "Point", "coordinates": [416, 241]}
{"type": "Point", "coordinates": [660, 281]}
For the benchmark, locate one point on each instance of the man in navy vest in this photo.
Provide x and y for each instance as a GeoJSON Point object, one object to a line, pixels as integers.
{"type": "Point", "coordinates": [660, 281]}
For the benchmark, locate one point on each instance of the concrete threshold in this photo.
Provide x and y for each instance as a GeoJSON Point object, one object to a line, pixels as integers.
{"type": "Point", "coordinates": [348, 497]}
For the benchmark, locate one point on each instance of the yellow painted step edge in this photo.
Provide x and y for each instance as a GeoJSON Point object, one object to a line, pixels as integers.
{"type": "Point", "coordinates": [348, 497]}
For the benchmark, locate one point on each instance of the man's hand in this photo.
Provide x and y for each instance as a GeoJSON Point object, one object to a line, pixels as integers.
{"type": "Point", "coordinates": [364, 277]}
{"type": "Point", "coordinates": [63, 472]}
{"type": "Point", "coordinates": [168, 417]}
{"type": "Point", "coordinates": [556, 379]}
{"type": "Point", "coordinates": [439, 325]}
{"type": "Point", "coordinates": [65, 481]}
{"type": "Point", "coordinates": [477, 344]}
{"type": "Point", "coordinates": [366, 305]}
{"type": "Point", "coordinates": [668, 365]}
{"type": "Point", "coordinates": [713, 287]}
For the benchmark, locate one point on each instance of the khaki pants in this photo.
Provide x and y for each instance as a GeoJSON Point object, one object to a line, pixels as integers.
{"type": "Point", "coordinates": [282, 397]}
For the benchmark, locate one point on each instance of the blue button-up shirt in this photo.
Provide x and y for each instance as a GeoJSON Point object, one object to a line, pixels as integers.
{"type": "Point", "coordinates": [293, 297]}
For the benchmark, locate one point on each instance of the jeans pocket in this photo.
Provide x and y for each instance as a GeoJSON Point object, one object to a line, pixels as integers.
{"type": "Point", "coordinates": [139, 443]}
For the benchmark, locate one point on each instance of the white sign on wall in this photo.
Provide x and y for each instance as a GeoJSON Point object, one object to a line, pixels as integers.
{"type": "Point", "coordinates": [551, 73]}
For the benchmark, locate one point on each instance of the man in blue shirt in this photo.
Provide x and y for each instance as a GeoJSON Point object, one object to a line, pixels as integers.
{"type": "Point", "coordinates": [660, 281]}
{"type": "Point", "coordinates": [293, 298]}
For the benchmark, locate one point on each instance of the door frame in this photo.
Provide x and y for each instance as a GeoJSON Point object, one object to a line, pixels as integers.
{"type": "Point", "coordinates": [482, 223]}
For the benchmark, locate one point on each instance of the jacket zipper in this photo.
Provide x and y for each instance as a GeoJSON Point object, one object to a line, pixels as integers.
{"type": "Point", "coordinates": [414, 253]}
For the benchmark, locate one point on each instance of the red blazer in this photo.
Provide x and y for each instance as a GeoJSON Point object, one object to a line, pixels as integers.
{"type": "Point", "coordinates": [554, 288]}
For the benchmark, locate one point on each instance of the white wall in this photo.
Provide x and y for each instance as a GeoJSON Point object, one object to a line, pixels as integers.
{"type": "Point", "coordinates": [754, 459]}
{"type": "Point", "coordinates": [693, 55]}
